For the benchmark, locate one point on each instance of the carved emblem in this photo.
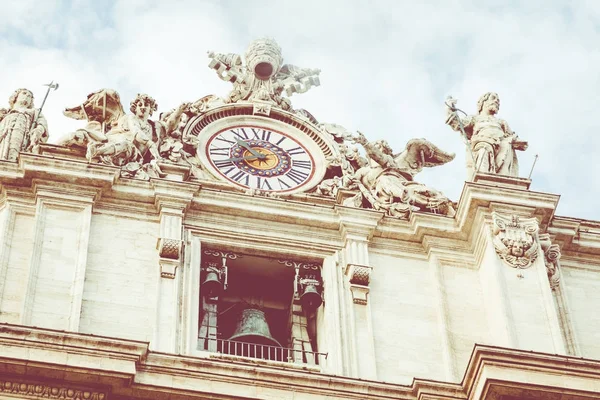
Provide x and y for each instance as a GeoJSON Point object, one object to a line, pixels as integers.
{"type": "Point", "coordinates": [515, 239]}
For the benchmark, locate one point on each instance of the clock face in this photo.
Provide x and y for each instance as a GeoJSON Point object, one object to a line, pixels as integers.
{"type": "Point", "coordinates": [254, 157]}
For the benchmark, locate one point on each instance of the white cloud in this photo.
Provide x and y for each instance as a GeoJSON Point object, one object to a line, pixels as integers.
{"type": "Point", "coordinates": [386, 68]}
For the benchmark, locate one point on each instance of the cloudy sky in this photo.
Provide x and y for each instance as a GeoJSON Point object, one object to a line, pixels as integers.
{"type": "Point", "coordinates": [387, 67]}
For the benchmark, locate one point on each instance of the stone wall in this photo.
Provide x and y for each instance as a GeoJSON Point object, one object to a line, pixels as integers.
{"type": "Point", "coordinates": [17, 227]}
{"type": "Point", "coordinates": [120, 293]}
{"type": "Point", "coordinates": [582, 284]}
{"type": "Point", "coordinates": [405, 322]}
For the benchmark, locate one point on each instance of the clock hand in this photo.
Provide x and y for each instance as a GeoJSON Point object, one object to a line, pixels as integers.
{"type": "Point", "coordinates": [250, 149]}
{"type": "Point", "coordinates": [242, 158]}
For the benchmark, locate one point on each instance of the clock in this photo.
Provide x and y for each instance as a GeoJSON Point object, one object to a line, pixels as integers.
{"type": "Point", "coordinates": [255, 157]}
{"type": "Point", "coordinates": [279, 153]}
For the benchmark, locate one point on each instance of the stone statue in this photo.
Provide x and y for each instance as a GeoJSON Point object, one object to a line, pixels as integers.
{"type": "Point", "coordinates": [130, 141]}
{"type": "Point", "coordinates": [22, 127]}
{"type": "Point", "coordinates": [102, 110]}
{"type": "Point", "coordinates": [386, 182]}
{"type": "Point", "coordinates": [492, 143]}
{"type": "Point", "coordinates": [263, 78]}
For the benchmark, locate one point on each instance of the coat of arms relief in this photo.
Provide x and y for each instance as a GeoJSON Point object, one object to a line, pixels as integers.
{"type": "Point", "coordinates": [515, 239]}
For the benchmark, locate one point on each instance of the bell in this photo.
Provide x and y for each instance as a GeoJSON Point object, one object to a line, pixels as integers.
{"type": "Point", "coordinates": [310, 298]}
{"type": "Point", "coordinates": [252, 327]}
{"type": "Point", "coordinates": [212, 286]}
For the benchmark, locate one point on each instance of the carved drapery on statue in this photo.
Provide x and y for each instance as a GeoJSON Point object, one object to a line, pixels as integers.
{"type": "Point", "coordinates": [491, 143]}
{"type": "Point", "coordinates": [22, 127]}
{"type": "Point", "coordinates": [515, 239]}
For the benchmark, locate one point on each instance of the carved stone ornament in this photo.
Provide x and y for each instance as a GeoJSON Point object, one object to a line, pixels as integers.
{"type": "Point", "coordinates": [14, 387]}
{"type": "Point", "coordinates": [515, 239]}
{"type": "Point", "coordinates": [168, 268]}
{"type": "Point", "coordinates": [359, 277]}
{"type": "Point", "coordinates": [551, 258]}
{"type": "Point", "coordinates": [169, 248]}
{"type": "Point", "coordinates": [263, 78]}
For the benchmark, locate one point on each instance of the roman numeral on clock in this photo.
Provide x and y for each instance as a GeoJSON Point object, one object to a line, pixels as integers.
{"type": "Point", "coordinates": [241, 177]}
{"type": "Point", "coordinates": [223, 164]}
{"type": "Point", "coordinates": [297, 176]}
{"type": "Point", "coordinates": [263, 184]}
{"type": "Point", "coordinates": [222, 139]}
{"type": "Point", "coordinates": [240, 133]}
{"type": "Point", "coordinates": [261, 134]}
{"type": "Point", "coordinates": [282, 184]}
{"type": "Point", "coordinates": [296, 151]}
{"type": "Point", "coordinates": [219, 151]}
{"type": "Point", "coordinates": [302, 164]}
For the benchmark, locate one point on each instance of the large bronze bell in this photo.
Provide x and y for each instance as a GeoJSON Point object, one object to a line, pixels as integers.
{"type": "Point", "coordinates": [310, 297]}
{"type": "Point", "coordinates": [252, 327]}
{"type": "Point", "coordinates": [212, 285]}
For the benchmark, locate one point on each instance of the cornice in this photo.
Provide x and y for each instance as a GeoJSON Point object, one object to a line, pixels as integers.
{"type": "Point", "coordinates": [358, 223]}
{"type": "Point", "coordinates": [127, 369]}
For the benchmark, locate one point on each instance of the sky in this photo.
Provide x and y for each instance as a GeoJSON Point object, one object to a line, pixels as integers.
{"type": "Point", "coordinates": [386, 68]}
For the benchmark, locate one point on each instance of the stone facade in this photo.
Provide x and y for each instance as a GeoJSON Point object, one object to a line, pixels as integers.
{"type": "Point", "coordinates": [118, 285]}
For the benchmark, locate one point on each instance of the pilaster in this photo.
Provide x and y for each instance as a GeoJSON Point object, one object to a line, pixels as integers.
{"type": "Point", "coordinates": [54, 283]}
{"type": "Point", "coordinates": [357, 228]}
{"type": "Point", "coordinates": [17, 214]}
{"type": "Point", "coordinates": [171, 201]}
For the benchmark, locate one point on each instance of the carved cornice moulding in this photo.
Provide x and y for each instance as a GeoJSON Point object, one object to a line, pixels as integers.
{"type": "Point", "coordinates": [128, 197]}
{"type": "Point", "coordinates": [129, 371]}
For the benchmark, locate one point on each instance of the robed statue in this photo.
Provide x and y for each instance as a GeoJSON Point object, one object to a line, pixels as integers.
{"type": "Point", "coordinates": [22, 127]}
{"type": "Point", "coordinates": [492, 144]}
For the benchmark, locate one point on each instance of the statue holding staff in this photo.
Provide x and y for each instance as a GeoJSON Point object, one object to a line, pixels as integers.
{"type": "Point", "coordinates": [21, 125]}
{"type": "Point", "coordinates": [492, 143]}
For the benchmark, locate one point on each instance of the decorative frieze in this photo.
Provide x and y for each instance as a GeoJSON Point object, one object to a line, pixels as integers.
{"type": "Point", "coordinates": [515, 239]}
{"type": "Point", "coordinates": [14, 387]}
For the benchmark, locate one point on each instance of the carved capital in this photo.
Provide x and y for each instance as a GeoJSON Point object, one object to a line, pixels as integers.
{"type": "Point", "coordinates": [168, 268]}
{"type": "Point", "coordinates": [515, 239]}
{"type": "Point", "coordinates": [169, 248]}
{"type": "Point", "coordinates": [359, 277]}
{"type": "Point", "coordinates": [359, 274]}
{"type": "Point", "coordinates": [359, 294]}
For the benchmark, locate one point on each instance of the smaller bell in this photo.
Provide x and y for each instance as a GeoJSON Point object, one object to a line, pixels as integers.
{"type": "Point", "coordinates": [310, 297]}
{"type": "Point", "coordinates": [212, 285]}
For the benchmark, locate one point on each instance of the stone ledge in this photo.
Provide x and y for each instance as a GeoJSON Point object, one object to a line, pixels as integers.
{"type": "Point", "coordinates": [66, 358]}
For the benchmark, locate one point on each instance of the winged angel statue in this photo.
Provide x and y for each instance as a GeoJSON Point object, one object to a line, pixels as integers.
{"type": "Point", "coordinates": [131, 141]}
{"type": "Point", "coordinates": [385, 180]}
